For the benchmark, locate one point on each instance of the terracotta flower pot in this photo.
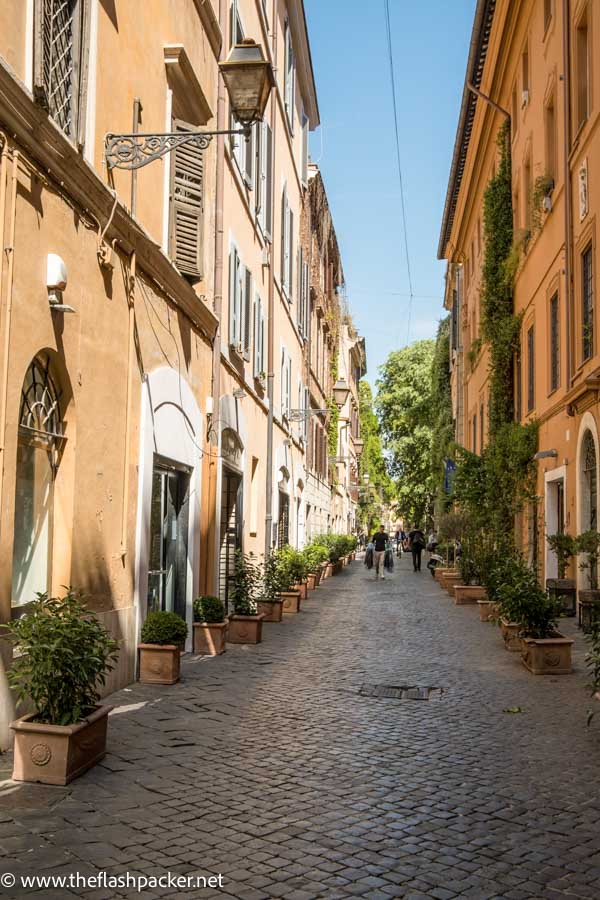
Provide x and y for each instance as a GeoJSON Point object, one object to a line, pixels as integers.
{"type": "Point", "coordinates": [210, 638]}
{"type": "Point", "coordinates": [440, 573]}
{"type": "Point", "coordinates": [270, 610]}
{"type": "Point", "coordinates": [337, 567]}
{"type": "Point", "coordinates": [56, 754]}
{"type": "Point", "coordinates": [303, 589]}
{"type": "Point", "coordinates": [467, 594]}
{"type": "Point", "coordinates": [510, 635]}
{"type": "Point", "coordinates": [450, 581]}
{"type": "Point", "coordinates": [312, 581]}
{"type": "Point", "coordinates": [547, 656]}
{"type": "Point", "coordinates": [159, 663]}
{"type": "Point", "coordinates": [328, 570]}
{"type": "Point", "coordinates": [245, 629]}
{"type": "Point", "coordinates": [291, 602]}
{"type": "Point", "coordinates": [487, 610]}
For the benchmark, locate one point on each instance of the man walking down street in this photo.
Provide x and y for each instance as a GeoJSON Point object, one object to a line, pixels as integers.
{"type": "Point", "coordinates": [417, 545]}
{"type": "Point", "coordinates": [380, 540]}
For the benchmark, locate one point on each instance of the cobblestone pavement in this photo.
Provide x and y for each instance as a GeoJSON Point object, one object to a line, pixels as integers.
{"type": "Point", "coordinates": [275, 767]}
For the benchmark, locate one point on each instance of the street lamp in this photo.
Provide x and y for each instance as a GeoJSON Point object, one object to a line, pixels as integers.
{"type": "Point", "coordinates": [340, 392]}
{"type": "Point", "coordinates": [248, 77]}
{"type": "Point", "coordinates": [359, 445]}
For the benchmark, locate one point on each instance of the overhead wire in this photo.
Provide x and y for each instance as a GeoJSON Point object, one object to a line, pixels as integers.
{"type": "Point", "coordinates": [398, 159]}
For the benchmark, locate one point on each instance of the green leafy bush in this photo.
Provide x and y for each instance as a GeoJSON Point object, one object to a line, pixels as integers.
{"type": "Point", "coordinates": [315, 554]}
{"type": "Point", "coordinates": [292, 566]}
{"type": "Point", "coordinates": [164, 627]}
{"type": "Point", "coordinates": [338, 545]}
{"type": "Point", "coordinates": [65, 653]}
{"type": "Point", "coordinates": [209, 609]}
{"type": "Point", "coordinates": [521, 599]}
{"type": "Point", "coordinates": [588, 544]}
{"type": "Point", "coordinates": [273, 578]}
{"type": "Point", "coordinates": [245, 584]}
{"type": "Point", "coordinates": [564, 546]}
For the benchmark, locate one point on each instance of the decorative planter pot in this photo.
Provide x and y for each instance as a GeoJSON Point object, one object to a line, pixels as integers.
{"type": "Point", "coordinates": [510, 635]}
{"type": "Point", "coordinates": [245, 629]}
{"type": "Point", "coordinates": [210, 638]}
{"type": "Point", "coordinates": [337, 567]}
{"type": "Point", "coordinates": [159, 663]}
{"type": "Point", "coordinates": [564, 591]}
{"type": "Point", "coordinates": [291, 602]}
{"type": "Point", "coordinates": [547, 656]}
{"type": "Point", "coordinates": [468, 594]}
{"type": "Point", "coordinates": [450, 581]}
{"type": "Point", "coordinates": [589, 610]}
{"type": "Point", "coordinates": [302, 589]}
{"type": "Point", "coordinates": [441, 573]}
{"type": "Point", "coordinates": [312, 581]}
{"type": "Point", "coordinates": [56, 754]}
{"type": "Point", "coordinates": [488, 611]}
{"type": "Point", "coordinates": [328, 570]}
{"type": "Point", "coordinates": [270, 610]}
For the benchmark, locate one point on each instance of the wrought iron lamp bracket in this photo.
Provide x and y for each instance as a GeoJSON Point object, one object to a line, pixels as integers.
{"type": "Point", "coordinates": [133, 151]}
{"type": "Point", "coordinates": [299, 415]}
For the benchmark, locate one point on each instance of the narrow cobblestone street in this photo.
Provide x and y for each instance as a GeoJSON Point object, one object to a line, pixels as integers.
{"type": "Point", "coordinates": [279, 767]}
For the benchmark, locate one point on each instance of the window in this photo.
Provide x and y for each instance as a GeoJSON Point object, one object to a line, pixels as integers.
{"type": "Point", "coordinates": [525, 74]}
{"type": "Point", "coordinates": [186, 207]}
{"type": "Point", "coordinates": [40, 435]}
{"type": "Point", "coordinates": [554, 344]}
{"type": "Point", "coordinates": [264, 187]}
{"type": "Point", "coordinates": [530, 370]}
{"type": "Point", "coordinates": [60, 62]}
{"type": "Point", "coordinates": [582, 61]}
{"type": "Point", "coordinates": [550, 136]}
{"type": "Point", "coordinates": [254, 489]}
{"type": "Point", "coordinates": [236, 32]}
{"type": "Point", "coordinates": [286, 383]}
{"type": "Point", "coordinates": [236, 295]}
{"type": "Point", "coordinates": [247, 313]}
{"type": "Point", "coordinates": [287, 246]}
{"type": "Point", "coordinates": [518, 385]}
{"type": "Point", "coordinates": [303, 295]}
{"type": "Point", "coordinates": [259, 338]}
{"type": "Point", "coordinates": [547, 14]}
{"type": "Point", "coordinates": [289, 88]}
{"type": "Point", "coordinates": [587, 303]}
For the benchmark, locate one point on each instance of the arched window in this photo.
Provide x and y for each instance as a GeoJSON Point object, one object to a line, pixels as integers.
{"type": "Point", "coordinates": [40, 436]}
{"type": "Point", "coordinates": [590, 482]}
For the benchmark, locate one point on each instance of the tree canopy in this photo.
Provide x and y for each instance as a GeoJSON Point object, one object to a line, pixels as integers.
{"type": "Point", "coordinates": [378, 491]}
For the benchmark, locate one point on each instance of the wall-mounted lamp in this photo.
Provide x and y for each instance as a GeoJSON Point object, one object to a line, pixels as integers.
{"type": "Point", "coordinates": [546, 454]}
{"type": "Point", "coordinates": [239, 394]}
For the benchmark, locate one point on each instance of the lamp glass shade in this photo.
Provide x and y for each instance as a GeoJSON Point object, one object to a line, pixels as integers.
{"type": "Point", "coordinates": [359, 444]}
{"type": "Point", "coordinates": [340, 392]}
{"type": "Point", "coordinates": [248, 77]}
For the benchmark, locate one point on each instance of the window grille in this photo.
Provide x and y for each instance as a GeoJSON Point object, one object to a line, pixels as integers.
{"type": "Point", "coordinates": [590, 478]}
{"type": "Point", "coordinates": [60, 61]}
{"type": "Point", "coordinates": [587, 297]}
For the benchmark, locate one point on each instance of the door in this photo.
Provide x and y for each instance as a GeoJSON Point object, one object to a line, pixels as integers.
{"type": "Point", "coordinates": [283, 524]}
{"type": "Point", "coordinates": [231, 529]}
{"type": "Point", "coordinates": [169, 521]}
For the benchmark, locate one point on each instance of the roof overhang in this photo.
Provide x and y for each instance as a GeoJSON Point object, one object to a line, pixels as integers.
{"type": "Point", "coordinates": [304, 61]}
{"type": "Point", "coordinates": [480, 38]}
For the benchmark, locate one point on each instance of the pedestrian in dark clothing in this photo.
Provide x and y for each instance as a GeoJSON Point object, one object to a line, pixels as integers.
{"type": "Point", "coordinates": [417, 545]}
{"type": "Point", "coordinates": [380, 544]}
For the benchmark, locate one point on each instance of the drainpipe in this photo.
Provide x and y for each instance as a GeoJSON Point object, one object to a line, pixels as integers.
{"type": "Point", "coordinates": [566, 78]}
{"type": "Point", "coordinates": [10, 253]}
{"type": "Point", "coordinates": [218, 309]}
{"type": "Point", "coordinates": [128, 403]}
{"type": "Point", "coordinates": [271, 341]}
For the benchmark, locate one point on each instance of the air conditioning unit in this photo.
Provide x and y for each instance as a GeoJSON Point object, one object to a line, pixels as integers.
{"type": "Point", "coordinates": [524, 99]}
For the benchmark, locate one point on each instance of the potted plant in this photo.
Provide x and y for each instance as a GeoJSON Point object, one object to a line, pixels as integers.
{"type": "Point", "coordinates": [470, 564]}
{"type": "Point", "coordinates": [592, 659]}
{"type": "Point", "coordinates": [245, 624]}
{"type": "Point", "coordinates": [269, 603]}
{"type": "Point", "coordinates": [516, 583]}
{"type": "Point", "coordinates": [64, 655]}
{"type": "Point", "coordinates": [295, 564]}
{"type": "Point", "coordinates": [588, 546]}
{"type": "Point", "coordinates": [163, 638]}
{"type": "Point", "coordinates": [544, 650]}
{"type": "Point", "coordinates": [210, 626]}
{"type": "Point", "coordinates": [563, 589]}
{"type": "Point", "coordinates": [287, 573]}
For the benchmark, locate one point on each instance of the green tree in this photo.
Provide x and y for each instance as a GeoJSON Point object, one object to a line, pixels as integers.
{"type": "Point", "coordinates": [404, 406]}
{"type": "Point", "coordinates": [443, 424]}
{"type": "Point", "coordinates": [378, 491]}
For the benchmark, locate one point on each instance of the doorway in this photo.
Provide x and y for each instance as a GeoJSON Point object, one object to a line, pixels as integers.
{"type": "Point", "coordinates": [231, 529]}
{"type": "Point", "coordinates": [169, 524]}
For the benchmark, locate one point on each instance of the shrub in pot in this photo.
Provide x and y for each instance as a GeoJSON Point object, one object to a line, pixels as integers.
{"type": "Point", "coordinates": [592, 659]}
{"type": "Point", "coordinates": [163, 638]}
{"type": "Point", "coordinates": [515, 584]}
{"type": "Point", "coordinates": [269, 602]}
{"type": "Point", "coordinates": [293, 565]}
{"type": "Point", "coordinates": [65, 654]}
{"type": "Point", "coordinates": [289, 569]}
{"type": "Point", "coordinates": [245, 624]}
{"type": "Point", "coordinates": [563, 589]}
{"type": "Point", "coordinates": [544, 650]}
{"type": "Point", "coordinates": [210, 626]}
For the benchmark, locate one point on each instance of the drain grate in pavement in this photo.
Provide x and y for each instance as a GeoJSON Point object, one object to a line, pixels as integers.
{"type": "Point", "coordinates": [400, 692]}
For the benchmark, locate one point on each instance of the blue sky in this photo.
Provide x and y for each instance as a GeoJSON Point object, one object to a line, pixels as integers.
{"type": "Point", "coordinates": [355, 149]}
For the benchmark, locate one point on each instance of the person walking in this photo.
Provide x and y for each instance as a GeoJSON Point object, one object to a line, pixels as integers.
{"type": "Point", "coordinates": [380, 544]}
{"type": "Point", "coordinates": [417, 544]}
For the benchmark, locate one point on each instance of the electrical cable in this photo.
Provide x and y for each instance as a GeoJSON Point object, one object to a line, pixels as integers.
{"type": "Point", "coordinates": [397, 134]}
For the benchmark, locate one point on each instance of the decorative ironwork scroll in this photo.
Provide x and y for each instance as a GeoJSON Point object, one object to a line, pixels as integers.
{"type": "Point", "coordinates": [133, 151]}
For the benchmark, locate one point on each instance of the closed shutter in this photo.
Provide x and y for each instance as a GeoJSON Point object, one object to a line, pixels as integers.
{"type": "Point", "coordinates": [186, 244]}
{"type": "Point", "coordinates": [256, 346]}
{"type": "Point", "coordinates": [236, 293]}
{"type": "Point", "coordinates": [299, 268]}
{"type": "Point", "coordinates": [259, 199]}
{"type": "Point", "coordinates": [306, 407]}
{"type": "Point", "coordinates": [285, 241]}
{"type": "Point", "coordinates": [269, 182]}
{"type": "Point", "coordinates": [291, 257]}
{"type": "Point", "coordinates": [262, 340]}
{"type": "Point", "coordinates": [247, 313]}
{"type": "Point", "coordinates": [306, 294]}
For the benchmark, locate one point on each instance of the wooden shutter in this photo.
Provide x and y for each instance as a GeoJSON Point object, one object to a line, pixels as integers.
{"type": "Point", "coordinates": [306, 293]}
{"type": "Point", "coordinates": [285, 241]}
{"type": "Point", "coordinates": [256, 369]}
{"type": "Point", "coordinates": [233, 272]}
{"type": "Point", "coordinates": [247, 314]}
{"type": "Point", "coordinates": [291, 256]}
{"type": "Point", "coordinates": [269, 182]}
{"type": "Point", "coordinates": [187, 207]}
{"type": "Point", "coordinates": [306, 407]}
{"type": "Point", "coordinates": [300, 315]}
{"type": "Point", "coordinates": [263, 330]}
{"type": "Point", "coordinates": [259, 199]}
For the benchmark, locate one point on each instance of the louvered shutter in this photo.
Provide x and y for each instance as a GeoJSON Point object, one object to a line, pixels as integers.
{"type": "Point", "coordinates": [306, 293]}
{"type": "Point", "coordinates": [262, 340]}
{"type": "Point", "coordinates": [187, 207]}
{"type": "Point", "coordinates": [285, 241]}
{"type": "Point", "coordinates": [269, 182]}
{"type": "Point", "coordinates": [233, 272]}
{"type": "Point", "coordinates": [299, 274]}
{"type": "Point", "coordinates": [289, 380]}
{"type": "Point", "coordinates": [306, 407]}
{"type": "Point", "coordinates": [256, 370]}
{"type": "Point", "coordinates": [247, 314]}
{"type": "Point", "coordinates": [259, 200]}
{"type": "Point", "coordinates": [291, 257]}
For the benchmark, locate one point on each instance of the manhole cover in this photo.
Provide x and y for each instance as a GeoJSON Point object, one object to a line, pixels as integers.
{"type": "Point", "coordinates": [400, 692]}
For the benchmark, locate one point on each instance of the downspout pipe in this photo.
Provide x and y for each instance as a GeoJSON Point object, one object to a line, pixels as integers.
{"type": "Point", "coordinates": [218, 307]}
{"type": "Point", "coordinates": [566, 79]}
